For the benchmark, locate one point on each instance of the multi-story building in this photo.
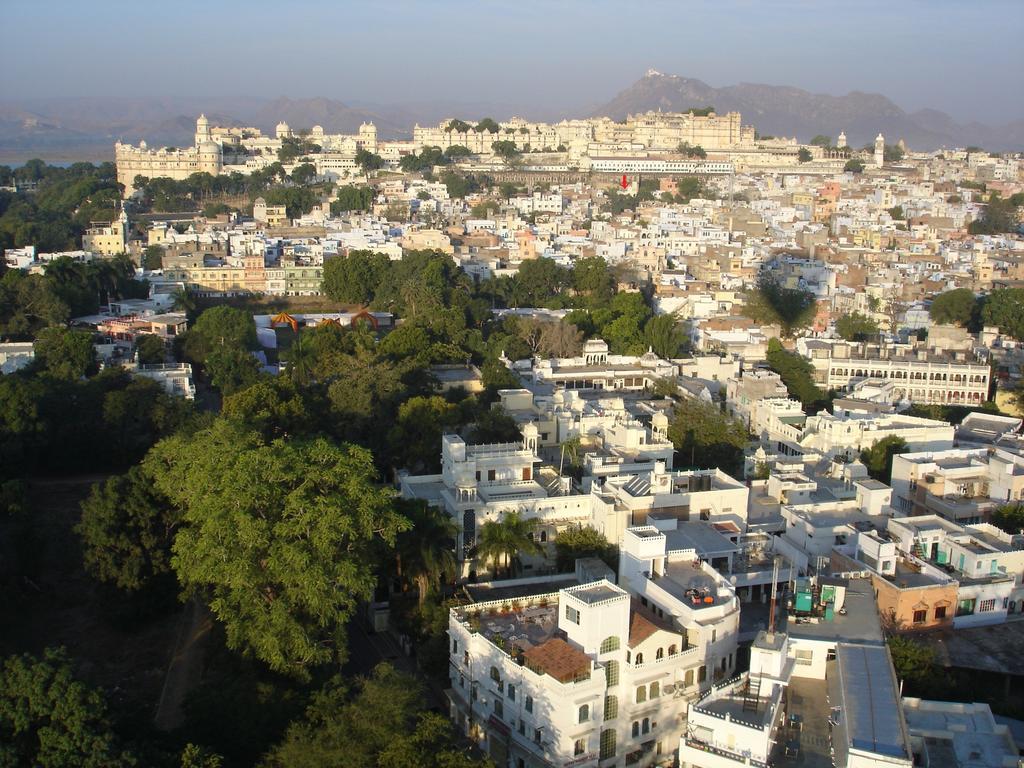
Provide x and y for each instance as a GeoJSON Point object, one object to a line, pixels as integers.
{"type": "Point", "coordinates": [596, 369]}
{"type": "Point", "coordinates": [598, 673]}
{"type": "Point", "coordinates": [107, 239]}
{"type": "Point", "coordinates": [744, 393]}
{"type": "Point", "coordinates": [917, 376]}
{"type": "Point", "coordinates": [962, 485]}
{"type": "Point", "coordinates": [205, 156]}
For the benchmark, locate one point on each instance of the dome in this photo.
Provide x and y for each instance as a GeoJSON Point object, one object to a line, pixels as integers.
{"type": "Point", "coordinates": [209, 148]}
{"type": "Point", "coordinates": [202, 121]}
{"type": "Point", "coordinates": [317, 130]}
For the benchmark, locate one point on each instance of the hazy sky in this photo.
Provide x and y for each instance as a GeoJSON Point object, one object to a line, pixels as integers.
{"type": "Point", "coordinates": [961, 57]}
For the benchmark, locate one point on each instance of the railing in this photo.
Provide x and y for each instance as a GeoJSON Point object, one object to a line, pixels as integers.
{"type": "Point", "coordinates": [668, 657]}
{"type": "Point", "coordinates": [705, 747]}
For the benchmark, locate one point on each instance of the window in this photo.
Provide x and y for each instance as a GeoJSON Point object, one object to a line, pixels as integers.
{"type": "Point", "coordinates": [607, 744]}
{"type": "Point", "coordinates": [499, 708]}
{"type": "Point", "coordinates": [537, 734]}
{"type": "Point", "coordinates": [641, 694]}
{"type": "Point", "coordinates": [639, 659]}
{"type": "Point", "coordinates": [491, 474]}
{"type": "Point", "coordinates": [689, 678]}
{"type": "Point", "coordinates": [804, 657]}
{"type": "Point", "coordinates": [636, 728]}
{"type": "Point", "coordinates": [672, 650]}
{"type": "Point", "coordinates": [987, 605]}
{"type": "Point", "coordinates": [659, 654]}
{"type": "Point", "coordinates": [702, 674]}
{"type": "Point", "coordinates": [646, 726]}
{"type": "Point", "coordinates": [572, 614]}
{"type": "Point", "coordinates": [611, 707]}
{"type": "Point", "coordinates": [584, 713]}
{"type": "Point", "coordinates": [920, 616]}
{"type": "Point", "coordinates": [522, 728]}
{"type": "Point", "coordinates": [495, 675]}
{"type": "Point", "coordinates": [455, 646]}
{"type": "Point", "coordinates": [511, 692]}
{"type": "Point", "coordinates": [465, 658]}
{"type": "Point", "coordinates": [611, 673]}
{"type": "Point", "coordinates": [529, 703]}
{"type": "Point", "coordinates": [580, 747]}
{"type": "Point", "coordinates": [655, 689]}
{"type": "Point", "coordinates": [940, 612]}
{"type": "Point", "coordinates": [609, 644]}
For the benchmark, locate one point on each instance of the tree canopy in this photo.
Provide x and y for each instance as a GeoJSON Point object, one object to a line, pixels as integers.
{"type": "Point", "coordinates": [50, 719]}
{"type": "Point", "coordinates": [790, 308]}
{"type": "Point", "coordinates": [956, 307]}
{"type": "Point", "coordinates": [277, 536]}
{"type": "Point", "coordinates": [856, 327]}
{"type": "Point", "coordinates": [878, 458]}
{"type": "Point", "coordinates": [705, 437]}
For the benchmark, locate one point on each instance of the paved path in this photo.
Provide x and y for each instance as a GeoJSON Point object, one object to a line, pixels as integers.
{"type": "Point", "coordinates": [186, 668]}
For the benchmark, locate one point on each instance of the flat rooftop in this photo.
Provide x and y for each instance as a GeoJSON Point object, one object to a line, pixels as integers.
{"type": "Point", "coordinates": [859, 624]}
{"type": "Point", "coordinates": [690, 585]}
{"type": "Point", "coordinates": [699, 536]}
{"type": "Point", "coordinates": [870, 716]}
{"type": "Point", "coordinates": [968, 736]}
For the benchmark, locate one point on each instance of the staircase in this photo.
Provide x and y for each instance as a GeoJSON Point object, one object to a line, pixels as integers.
{"type": "Point", "coordinates": [751, 693]}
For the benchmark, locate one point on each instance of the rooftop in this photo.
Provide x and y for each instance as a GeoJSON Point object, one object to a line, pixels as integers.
{"type": "Point", "coordinates": [557, 658]}
{"type": "Point", "coordinates": [868, 701]}
{"type": "Point", "coordinates": [859, 624]}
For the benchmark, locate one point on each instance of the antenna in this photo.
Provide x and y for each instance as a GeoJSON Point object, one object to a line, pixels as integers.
{"type": "Point", "coordinates": [775, 592]}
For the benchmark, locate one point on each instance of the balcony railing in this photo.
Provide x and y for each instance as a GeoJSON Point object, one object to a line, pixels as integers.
{"type": "Point", "coordinates": [705, 747]}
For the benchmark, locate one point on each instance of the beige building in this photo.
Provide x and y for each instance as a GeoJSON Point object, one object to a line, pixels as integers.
{"type": "Point", "coordinates": [206, 156]}
{"type": "Point", "coordinates": [107, 239]}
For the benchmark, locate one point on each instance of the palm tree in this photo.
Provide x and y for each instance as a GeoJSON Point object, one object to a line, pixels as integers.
{"type": "Point", "coordinates": [506, 539]}
{"type": "Point", "coordinates": [185, 301]}
{"type": "Point", "coordinates": [425, 552]}
{"type": "Point", "coordinates": [300, 359]}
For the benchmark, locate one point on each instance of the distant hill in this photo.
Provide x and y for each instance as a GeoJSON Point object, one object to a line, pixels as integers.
{"type": "Point", "coordinates": [785, 111]}
{"type": "Point", "coordinates": [86, 129]}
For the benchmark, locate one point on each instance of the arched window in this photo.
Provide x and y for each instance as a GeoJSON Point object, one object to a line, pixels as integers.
{"type": "Point", "coordinates": [609, 644]}
{"type": "Point", "coordinates": [495, 674]}
{"type": "Point", "coordinates": [641, 695]}
{"type": "Point", "coordinates": [659, 654]}
{"type": "Point", "coordinates": [511, 692]}
{"type": "Point", "coordinates": [639, 659]}
{"type": "Point", "coordinates": [636, 728]}
{"type": "Point", "coordinates": [672, 650]}
{"type": "Point", "coordinates": [655, 690]}
{"type": "Point", "coordinates": [646, 726]}
{"type": "Point", "coordinates": [584, 713]}
{"type": "Point", "coordinates": [543, 536]}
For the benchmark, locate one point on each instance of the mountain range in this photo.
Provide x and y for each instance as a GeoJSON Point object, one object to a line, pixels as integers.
{"type": "Point", "coordinates": [85, 129]}
{"type": "Point", "coordinates": [780, 110]}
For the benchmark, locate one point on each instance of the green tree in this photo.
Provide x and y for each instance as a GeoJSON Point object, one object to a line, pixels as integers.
{"type": "Point", "coordinates": [278, 537]}
{"type": "Point", "coordinates": [770, 303]}
{"type": "Point", "coordinates": [538, 281]}
{"type": "Point", "coordinates": [706, 437]}
{"type": "Point", "coordinates": [878, 458]}
{"type": "Point", "coordinates": [153, 257]}
{"type": "Point", "coordinates": [355, 279]}
{"type": "Point", "coordinates": [336, 730]}
{"type": "Point", "coordinates": [231, 370]}
{"type": "Point", "coordinates": [502, 541]}
{"type": "Point", "coordinates": [426, 552]}
{"type": "Point", "coordinates": [418, 429]}
{"type": "Point", "coordinates": [303, 173]}
{"type": "Point", "coordinates": [65, 353]}
{"type": "Point", "coordinates": [273, 407]}
{"type": "Point", "coordinates": [583, 541]}
{"type": "Point", "coordinates": [822, 141]}
{"type": "Point", "coordinates": [1004, 307]}
{"type": "Point", "coordinates": [892, 153]}
{"type": "Point", "coordinates": [591, 277]}
{"type": "Point", "coordinates": [665, 336]}
{"type": "Point", "coordinates": [856, 327]}
{"type": "Point", "coordinates": [506, 150]}
{"type": "Point", "coordinates": [150, 349]}
{"type": "Point", "coordinates": [956, 307]}
{"type": "Point", "coordinates": [127, 529]}
{"type": "Point", "coordinates": [351, 198]}
{"type": "Point", "coordinates": [796, 373]}
{"type": "Point", "coordinates": [221, 328]}
{"type": "Point", "coordinates": [854, 165]}
{"type": "Point", "coordinates": [913, 661]}
{"type": "Point", "coordinates": [804, 155]}
{"type": "Point", "coordinates": [51, 720]}
{"type": "Point", "coordinates": [368, 161]}
{"type": "Point", "coordinates": [1009, 517]}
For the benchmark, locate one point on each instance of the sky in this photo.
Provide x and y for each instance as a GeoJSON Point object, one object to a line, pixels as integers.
{"type": "Point", "coordinates": [565, 55]}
